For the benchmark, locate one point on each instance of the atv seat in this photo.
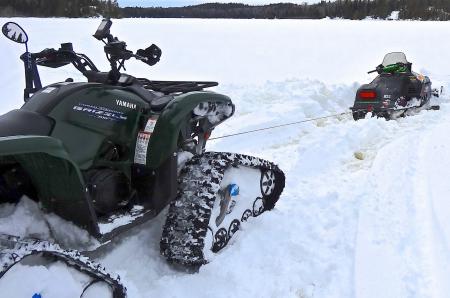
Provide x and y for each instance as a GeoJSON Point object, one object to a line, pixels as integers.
{"type": "Point", "coordinates": [158, 104]}
{"type": "Point", "coordinates": [23, 122]}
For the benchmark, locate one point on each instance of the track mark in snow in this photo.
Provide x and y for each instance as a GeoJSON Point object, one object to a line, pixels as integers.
{"type": "Point", "coordinates": [401, 250]}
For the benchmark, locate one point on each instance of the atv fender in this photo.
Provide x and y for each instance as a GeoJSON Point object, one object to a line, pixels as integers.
{"type": "Point", "coordinates": [165, 136]}
{"type": "Point", "coordinates": [56, 178]}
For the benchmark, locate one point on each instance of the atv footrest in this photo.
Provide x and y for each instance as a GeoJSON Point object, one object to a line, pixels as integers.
{"type": "Point", "coordinates": [123, 220]}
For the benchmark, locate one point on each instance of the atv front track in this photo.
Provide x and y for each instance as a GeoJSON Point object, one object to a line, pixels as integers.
{"type": "Point", "coordinates": [14, 249]}
{"type": "Point", "coordinates": [192, 229]}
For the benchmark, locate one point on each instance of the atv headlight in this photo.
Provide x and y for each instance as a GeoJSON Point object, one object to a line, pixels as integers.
{"type": "Point", "coordinates": [202, 109]}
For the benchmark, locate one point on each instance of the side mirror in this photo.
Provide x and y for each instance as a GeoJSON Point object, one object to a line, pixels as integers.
{"type": "Point", "coordinates": [14, 32]}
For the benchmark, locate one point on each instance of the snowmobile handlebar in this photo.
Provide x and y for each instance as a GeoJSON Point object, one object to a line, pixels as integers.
{"type": "Point", "coordinates": [378, 69]}
{"type": "Point", "coordinates": [389, 68]}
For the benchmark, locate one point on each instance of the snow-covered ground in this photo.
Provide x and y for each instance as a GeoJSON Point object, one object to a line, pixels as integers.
{"type": "Point", "coordinates": [372, 226]}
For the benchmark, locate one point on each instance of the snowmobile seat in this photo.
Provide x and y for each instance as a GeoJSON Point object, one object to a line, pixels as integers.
{"type": "Point", "coordinates": [23, 122]}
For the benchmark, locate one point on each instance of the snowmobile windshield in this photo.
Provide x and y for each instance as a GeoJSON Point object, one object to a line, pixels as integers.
{"type": "Point", "coordinates": [394, 58]}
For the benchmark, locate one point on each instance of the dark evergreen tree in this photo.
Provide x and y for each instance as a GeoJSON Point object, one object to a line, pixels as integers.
{"type": "Point", "coordinates": [59, 8]}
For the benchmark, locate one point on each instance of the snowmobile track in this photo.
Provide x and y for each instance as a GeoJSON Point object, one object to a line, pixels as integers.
{"type": "Point", "coordinates": [186, 227]}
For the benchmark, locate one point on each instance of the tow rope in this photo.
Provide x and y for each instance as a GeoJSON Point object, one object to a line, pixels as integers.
{"type": "Point", "coordinates": [299, 122]}
{"type": "Point", "coordinates": [281, 125]}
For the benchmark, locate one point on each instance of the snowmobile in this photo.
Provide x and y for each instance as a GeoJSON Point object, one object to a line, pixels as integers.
{"type": "Point", "coordinates": [395, 92]}
{"type": "Point", "coordinates": [113, 152]}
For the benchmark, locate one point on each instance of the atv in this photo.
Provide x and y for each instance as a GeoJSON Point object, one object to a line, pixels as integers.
{"type": "Point", "coordinates": [397, 91]}
{"type": "Point", "coordinates": [113, 152]}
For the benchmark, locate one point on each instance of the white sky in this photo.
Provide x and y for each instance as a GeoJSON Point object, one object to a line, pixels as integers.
{"type": "Point", "coordinates": [171, 3]}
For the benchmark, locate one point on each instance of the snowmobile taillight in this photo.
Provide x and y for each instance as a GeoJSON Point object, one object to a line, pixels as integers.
{"type": "Point", "coordinates": [367, 94]}
{"type": "Point", "coordinates": [369, 108]}
{"type": "Point", "coordinates": [207, 135]}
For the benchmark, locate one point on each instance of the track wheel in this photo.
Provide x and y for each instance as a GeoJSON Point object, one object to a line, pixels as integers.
{"type": "Point", "coordinates": [267, 183]}
{"type": "Point", "coordinates": [220, 239]}
{"type": "Point", "coordinates": [246, 215]}
{"type": "Point", "coordinates": [234, 227]}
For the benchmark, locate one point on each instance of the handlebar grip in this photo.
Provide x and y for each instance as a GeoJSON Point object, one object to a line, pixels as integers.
{"type": "Point", "coordinates": [372, 71]}
{"type": "Point", "coordinates": [44, 53]}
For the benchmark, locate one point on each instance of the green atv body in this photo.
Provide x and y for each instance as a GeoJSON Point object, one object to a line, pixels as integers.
{"type": "Point", "coordinates": [111, 153]}
{"type": "Point", "coordinates": [82, 129]}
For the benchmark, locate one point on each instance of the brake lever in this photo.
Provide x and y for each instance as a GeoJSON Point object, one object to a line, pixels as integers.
{"type": "Point", "coordinates": [53, 58]}
{"type": "Point", "coordinates": [44, 53]}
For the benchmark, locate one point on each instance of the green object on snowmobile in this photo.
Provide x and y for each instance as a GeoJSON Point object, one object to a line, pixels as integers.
{"type": "Point", "coordinates": [395, 68]}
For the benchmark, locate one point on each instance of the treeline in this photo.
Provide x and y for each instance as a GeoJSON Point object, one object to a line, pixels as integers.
{"type": "Point", "coordinates": [348, 9]}
{"type": "Point", "coordinates": [59, 8]}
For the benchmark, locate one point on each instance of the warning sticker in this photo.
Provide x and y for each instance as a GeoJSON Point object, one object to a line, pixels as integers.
{"type": "Point", "coordinates": [150, 126]}
{"type": "Point", "coordinates": [49, 90]}
{"type": "Point", "coordinates": [140, 153]}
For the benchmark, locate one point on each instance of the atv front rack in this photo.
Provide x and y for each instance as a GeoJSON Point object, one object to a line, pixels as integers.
{"type": "Point", "coordinates": [168, 87]}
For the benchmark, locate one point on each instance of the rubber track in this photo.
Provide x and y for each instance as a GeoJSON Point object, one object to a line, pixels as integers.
{"type": "Point", "coordinates": [14, 249]}
{"type": "Point", "coordinates": [184, 232]}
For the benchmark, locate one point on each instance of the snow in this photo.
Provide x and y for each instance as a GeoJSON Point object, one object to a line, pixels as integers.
{"type": "Point", "coordinates": [394, 15]}
{"type": "Point", "coordinates": [365, 207]}
{"type": "Point", "coordinates": [404, 237]}
{"type": "Point", "coordinates": [40, 280]}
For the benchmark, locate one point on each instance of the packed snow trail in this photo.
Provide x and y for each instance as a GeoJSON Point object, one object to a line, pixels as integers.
{"type": "Point", "coordinates": [403, 235]}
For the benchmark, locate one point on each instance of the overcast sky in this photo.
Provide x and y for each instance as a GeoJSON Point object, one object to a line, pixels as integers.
{"type": "Point", "coordinates": [171, 3]}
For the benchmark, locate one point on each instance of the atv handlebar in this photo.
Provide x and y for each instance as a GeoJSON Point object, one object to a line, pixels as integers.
{"type": "Point", "coordinates": [63, 56]}
{"type": "Point", "coordinates": [117, 53]}
{"type": "Point", "coordinates": [115, 50]}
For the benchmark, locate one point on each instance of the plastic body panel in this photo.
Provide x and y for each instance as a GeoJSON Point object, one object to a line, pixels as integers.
{"type": "Point", "coordinates": [164, 139]}
{"type": "Point", "coordinates": [56, 177]}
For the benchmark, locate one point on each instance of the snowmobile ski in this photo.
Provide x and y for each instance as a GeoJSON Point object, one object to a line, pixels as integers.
{"type": "Point", "coordinates": [218, 192]}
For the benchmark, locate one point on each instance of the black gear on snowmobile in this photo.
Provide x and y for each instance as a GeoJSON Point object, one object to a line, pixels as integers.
{"type": "Point", "coordinates": [14, 250]}
{"type": "Point", "coordinates": [189, 217]}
